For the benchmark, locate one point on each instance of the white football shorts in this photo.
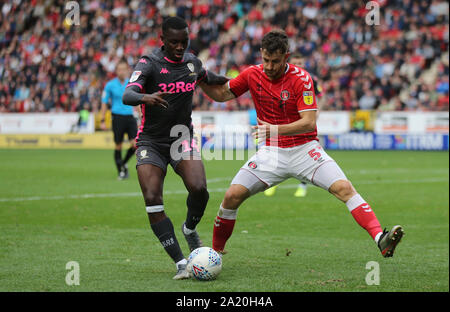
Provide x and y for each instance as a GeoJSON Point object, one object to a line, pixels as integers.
{"type": "Point", "coordinates": [272, 165]}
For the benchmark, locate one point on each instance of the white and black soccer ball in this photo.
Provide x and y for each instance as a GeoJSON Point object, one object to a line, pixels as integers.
{"type": "Point", "coordinates": [204, 263]}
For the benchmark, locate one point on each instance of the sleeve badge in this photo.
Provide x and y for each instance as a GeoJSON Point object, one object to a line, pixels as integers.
{"type": "Point", "coordinates": [308, 98]}
{"type": "Point", "coordinates": [135, 75]}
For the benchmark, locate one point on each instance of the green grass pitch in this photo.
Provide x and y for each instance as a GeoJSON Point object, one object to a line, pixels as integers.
{"type": "Point", "coordinates": [58, 206]}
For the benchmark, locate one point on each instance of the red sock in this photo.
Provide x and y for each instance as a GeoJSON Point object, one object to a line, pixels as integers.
{"type": "Point", "coordinates": [366, 218]}
{"type": "Point", "coordinates": [223, 228]}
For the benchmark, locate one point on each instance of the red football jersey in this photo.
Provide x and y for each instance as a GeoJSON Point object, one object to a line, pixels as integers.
{"type": "Point", "coordinates": [279, 101]}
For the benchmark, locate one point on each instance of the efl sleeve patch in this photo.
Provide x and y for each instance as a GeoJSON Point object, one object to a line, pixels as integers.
{"type": "Point", "coordinates": [135, 75]}
{"type": "Point", "coordinates": [308, 97]}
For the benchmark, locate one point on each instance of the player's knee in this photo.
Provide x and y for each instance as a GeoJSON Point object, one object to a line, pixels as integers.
{"type": "Point", "coordinates": [196, 202]}
{"type": "Point", "coordinates": [152, 199]}
{"type": "Point", "coordinates": [342, 189]}
{"type": "Point", "coordinates": [198, 195]}
{"type": "Point", "coordinates": [198, 190]}
{"type": "Point", "coordinates": [203, 194]}
{"type": "Point", "coordinates": [233, 198]}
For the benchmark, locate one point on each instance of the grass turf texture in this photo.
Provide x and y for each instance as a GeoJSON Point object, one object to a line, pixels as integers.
{"type": "Point", "coordinates": [58, 206]}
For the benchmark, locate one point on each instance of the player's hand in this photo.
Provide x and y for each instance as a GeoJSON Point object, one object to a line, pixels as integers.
{"type": "Point", "coordinates": [156, 99]}
{"type": "Point", "coordinates": [103, 126]}
{"type": "Point", "coordinates": [264, 130]}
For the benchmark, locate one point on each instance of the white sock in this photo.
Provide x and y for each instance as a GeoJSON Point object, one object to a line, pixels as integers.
{"type": "Point", "coordinates": [229, 214]}
{"type": "Point", "coordinates": [355, 202]}
{"type": "Point", "coordinates": [182, 261]}
{"type": "Point", "coordinates": [377, 237]}
{"type": "Point", "coordinates": [187, 231]}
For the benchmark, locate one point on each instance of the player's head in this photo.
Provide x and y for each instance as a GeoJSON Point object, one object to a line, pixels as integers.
{"type": "Point", "coordinates": [275, 53]}
{"type": "Point", "coordinates": [296, 59]}
{"type": "Point", "coordinates": [175, 37]}
{"type": "Point", "coordinates": [122, 69]}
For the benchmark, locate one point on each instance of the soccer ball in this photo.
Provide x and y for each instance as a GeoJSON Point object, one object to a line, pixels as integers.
{"type": "Point", "coordinates": [204, 263]}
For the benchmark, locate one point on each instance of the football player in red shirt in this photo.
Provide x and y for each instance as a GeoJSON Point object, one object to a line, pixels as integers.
{"type": "Point", "coordinates": [286, 107]}
{"type": "Point", "coordinates": [297, 60]}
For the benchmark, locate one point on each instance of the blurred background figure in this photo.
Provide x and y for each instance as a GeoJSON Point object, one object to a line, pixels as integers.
{"type": "Point", "coordinates": [82, 119]}
{"type": "Point", "coordinates": [123, 120]}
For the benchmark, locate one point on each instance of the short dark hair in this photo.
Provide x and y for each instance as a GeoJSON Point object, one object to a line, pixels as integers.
{"type": "Point", "coordinates": [122, 61]}
{"type": "Point", "coordinates": [275, 40]}
{"type": "Point", "coordinates": [174, 22]}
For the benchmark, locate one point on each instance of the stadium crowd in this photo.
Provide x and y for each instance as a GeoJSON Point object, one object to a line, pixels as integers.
{"type": "Point", "coordinates": [398, 63]}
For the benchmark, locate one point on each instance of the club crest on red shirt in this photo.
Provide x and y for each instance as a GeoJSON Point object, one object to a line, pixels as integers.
{"type": "Point", "coordinates": [285, 95]}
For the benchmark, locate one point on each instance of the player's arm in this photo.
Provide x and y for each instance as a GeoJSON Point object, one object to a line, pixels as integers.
{"type": "Point", "coordinates": [227, 91]}
{"type": "Point", "coordinates": [306, 123]}
{"type": "Point", "coordinates": [103, 110]}
{"type": "Point", "coordinates": [134, 94]}
{"type": "Point", "coordinates": [218, 92]}
{"type": "Point", "coordinates": [212, 84]}
{"type": "Point", "coordinates": [307, 109]}
{"type": "Point", "coordinates": [106, 95]}
{"type": "Point", "coordinates": [215, 86]}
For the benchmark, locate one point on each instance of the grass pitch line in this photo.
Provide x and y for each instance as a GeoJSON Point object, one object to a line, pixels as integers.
{"type": "Point", "coordinates": [213, 190]}
{"type": "Point", "coordinates": [95, 195]}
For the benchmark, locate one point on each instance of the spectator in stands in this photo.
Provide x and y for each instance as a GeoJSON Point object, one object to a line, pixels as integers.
{"type": "Point", "coordinates": [47, 64]}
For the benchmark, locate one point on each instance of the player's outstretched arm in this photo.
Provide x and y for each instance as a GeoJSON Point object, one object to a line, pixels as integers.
{"type": "Point", "coordinates": [215, 86]}
{"type": "Point", "coordinates": [214, 79]}
{"type": "Point", "coordinates": [219, 93]}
